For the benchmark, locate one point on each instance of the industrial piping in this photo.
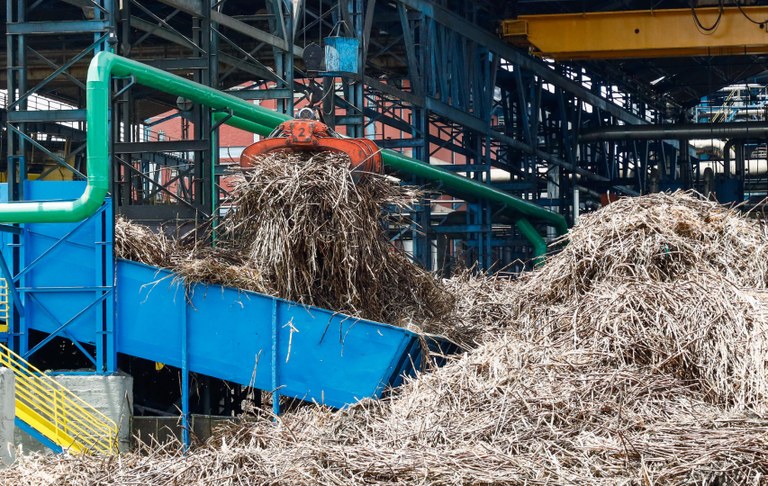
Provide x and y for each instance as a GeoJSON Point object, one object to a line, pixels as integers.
{"type": "Point", "coordinates": [103, 66]}
{"type": "Point", "coordinates": [677, 131]}
{"type": "Point", "coordinates": [235, 112]}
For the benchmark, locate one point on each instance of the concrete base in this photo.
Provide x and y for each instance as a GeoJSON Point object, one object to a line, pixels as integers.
{"type": "Point", "coordinates": [111, 395]}
{"type": "Point", "coordinates": [7, 415]}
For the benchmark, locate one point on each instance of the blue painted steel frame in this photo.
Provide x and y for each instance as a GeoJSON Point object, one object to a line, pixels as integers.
{"type": "Point", "coordinates": [64, 285]}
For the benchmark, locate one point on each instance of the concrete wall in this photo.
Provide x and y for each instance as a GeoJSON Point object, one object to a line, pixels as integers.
{"type": "Point", "coordinates": [7, 414]}
{"type": "Point", "coordinates": [27, 444]}
{"type": "Point", "coordinates": [111, 395]}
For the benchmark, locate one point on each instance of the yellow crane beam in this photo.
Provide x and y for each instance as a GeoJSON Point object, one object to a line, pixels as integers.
{"type": "Point", "coordinates": [643, 33]}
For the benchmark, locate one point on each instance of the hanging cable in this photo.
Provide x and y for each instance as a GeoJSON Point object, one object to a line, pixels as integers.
{"type": "Point", "coordinates": [746, 15]}
{"type": "Point", "coordinates": [701, 27]}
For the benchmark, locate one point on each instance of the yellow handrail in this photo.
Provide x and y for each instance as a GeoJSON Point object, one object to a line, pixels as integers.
{"type": "Point", "coordinates": [721, 113]}
{"type": "Point", "coordinates": [57, 413]}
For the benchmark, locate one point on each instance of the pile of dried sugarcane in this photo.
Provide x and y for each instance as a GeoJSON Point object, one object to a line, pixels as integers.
{"type": "Point", "coordinates": [667, 281]}
{"type": "Point", "coordinates": [140, 244]}
{"type": "Point", "coordinates": [314, 227]}
{"type": "Point", "coordinates": [305, 227]}
{"type": "Point", "coordinates": [634, 356]}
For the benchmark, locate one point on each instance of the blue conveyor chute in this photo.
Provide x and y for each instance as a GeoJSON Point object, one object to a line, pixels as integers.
{"type": "Point", "coordinates": [304, 352]}
{"type": "Point", "coordinates": [70, 286]}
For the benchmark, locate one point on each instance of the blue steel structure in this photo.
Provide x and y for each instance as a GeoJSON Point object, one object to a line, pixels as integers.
{"type": "Point", "coordinates": [64, 275]}
{"type": "Point", "coordinates": [432, 77]}
{"type": "Point", "coordinates": [243, 337]}
{"type": "Point", "coordinates": [436, 74]}
{"type": "Point", "coordinates": [432, 72]}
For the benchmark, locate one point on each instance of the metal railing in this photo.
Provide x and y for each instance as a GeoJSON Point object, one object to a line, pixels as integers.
{"type": "Point", "coordinates": [55, 412]}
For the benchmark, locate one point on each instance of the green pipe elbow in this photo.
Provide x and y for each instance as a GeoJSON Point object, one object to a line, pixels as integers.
{"type": "Point", "coordinates": [103, 66]}
{"type": "Point", "coordinates": [539, 245]}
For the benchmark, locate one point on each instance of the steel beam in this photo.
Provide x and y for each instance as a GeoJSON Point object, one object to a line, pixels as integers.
{"type": "Point", "coordinates": [520, 59]}
{"type": "Point", "coordinates": [262, 94]}
{"type": "Point", "coordinates": [195, 7]}
{"type": "Point", "coordinates": [45, 116]}
{"type": "Point", "coordinates": [58, 27]}
{"type": "Point", "coordinates": [170, 146]}
{"type": "Point", "coordinates": [643, 33]}
{"type": "Point", "coordinates": [260, 71]}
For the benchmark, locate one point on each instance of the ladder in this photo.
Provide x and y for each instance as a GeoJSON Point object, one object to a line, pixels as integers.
{"type": "Point", "coordinates": [54, 415]}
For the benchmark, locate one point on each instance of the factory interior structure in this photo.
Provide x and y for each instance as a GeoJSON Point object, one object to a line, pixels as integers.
{"type": "Point", "coordinates": [515, 117]}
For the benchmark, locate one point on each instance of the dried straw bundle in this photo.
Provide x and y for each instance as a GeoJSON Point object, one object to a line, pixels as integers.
{"type": "Point", "coordinates": [573, 389]}
{"type": "Point", "coordinates": [314, 228]}
{"type": "Point", "coordinates": [139, 243]}
{"type": "Point", "coordinates": [220, 266]}
{"type": "Point", "coordinates": [663, 280]}
{"type": "Point", "coordinates": [659, 237]}
{"type": "Point", "coordinates": [509, 412]}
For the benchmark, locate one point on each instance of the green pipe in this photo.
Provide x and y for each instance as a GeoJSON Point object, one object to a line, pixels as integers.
{"type": "Point", "coordinates": [103, 66]}
{"type": "Point", "coordinates": [469, 189]}
{"type": "Point", "coordinates": [244, 115]}
{"type": "Point", "coordinates": [533, 236]}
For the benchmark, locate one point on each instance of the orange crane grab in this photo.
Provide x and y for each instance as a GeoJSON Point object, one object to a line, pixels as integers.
{"type": "Point", "coordinates": [308, 134]}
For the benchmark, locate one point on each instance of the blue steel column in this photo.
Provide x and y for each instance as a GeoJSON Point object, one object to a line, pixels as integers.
{"type": "Point", "coordinates": [20, 25]}
{"type": "Point", "coordinates": [213, 70]}
{"type": "Point", "coordinates": [183, 310]}
{"type": "Point", "coordinates": [275, 360]}
{"type": "Point", "coordinates": [422, 250]}
{"type": "Point", "coordinates": [281, 22]}
{"type": "Point", "coordinates": [16, 85]}
{"type": "Point", "coordinates": [106, 361]}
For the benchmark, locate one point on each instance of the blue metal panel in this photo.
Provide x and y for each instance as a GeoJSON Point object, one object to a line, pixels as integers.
{"type": "Point", "coordinates": [728, 190]}
{"type": "Point", "coordinates": [341, 55]}
{"type": "Point", "coordinates": [321, 356]}
{"type": "Point", "coordinates": [62, 279]}
{"type": "Point", "coordinates": [65, 276]}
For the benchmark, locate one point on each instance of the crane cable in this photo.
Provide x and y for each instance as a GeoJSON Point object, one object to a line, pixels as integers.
{"type": "Point", "coordinates": [712, 28]}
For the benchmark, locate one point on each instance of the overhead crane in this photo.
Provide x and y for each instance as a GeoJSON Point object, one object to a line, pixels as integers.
{"type": "Point", "coordinates": [708, 31]}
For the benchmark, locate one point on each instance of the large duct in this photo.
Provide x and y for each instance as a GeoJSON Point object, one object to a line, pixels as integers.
{"type": "Point", "coordinates": [701, 131]}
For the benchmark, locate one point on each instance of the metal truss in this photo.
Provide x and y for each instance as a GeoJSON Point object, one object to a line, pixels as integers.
{"type": "Point", "coordinates": [433, 80]}
{"type": "Point", "coordinates": [44, 117]}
